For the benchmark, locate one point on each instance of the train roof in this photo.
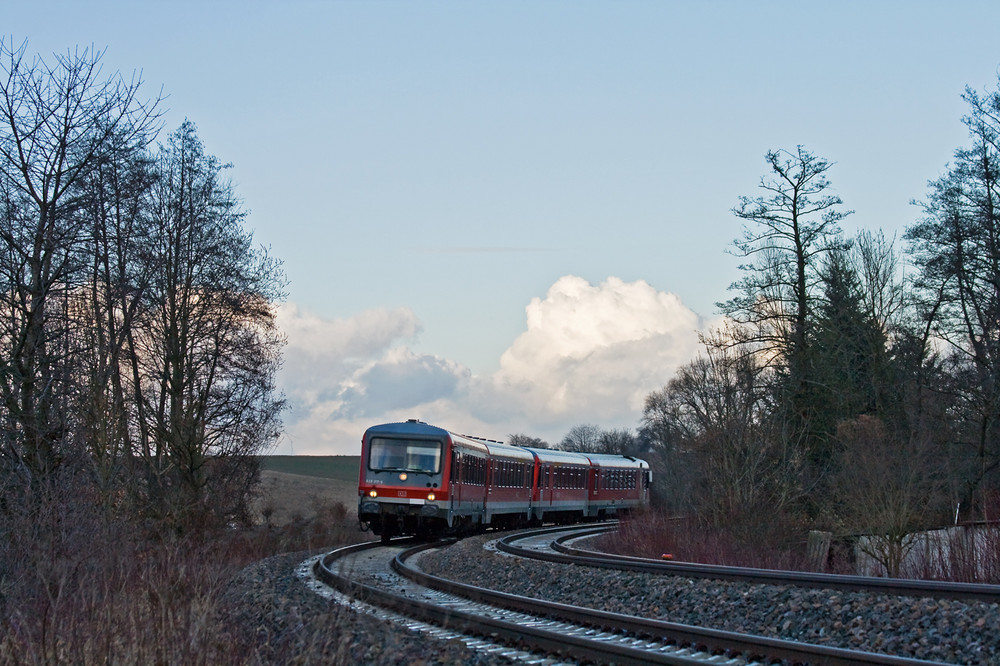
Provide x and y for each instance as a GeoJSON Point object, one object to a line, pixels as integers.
{"type": "Point", "coordinates": [412, 427]}
{"type": "Point", "coordinates": [415, 428]}
{"type": "Point", "coordinates": [508, 451]}
{"type": "Point", "coordinates": [611, 460]}
{"type": "Point", "coordinates": [559, 457]}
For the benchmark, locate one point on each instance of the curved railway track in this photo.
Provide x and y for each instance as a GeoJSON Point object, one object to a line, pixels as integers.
{"type": "Point", "coordinates": [567, 632]}
{"type": "Point", "coordinates": [557, 550]}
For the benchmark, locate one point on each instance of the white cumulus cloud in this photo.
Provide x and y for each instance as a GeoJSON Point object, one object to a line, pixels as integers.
{"type": "Point", "coordinates": [595, 351]}
{"type": "Point", "coordinates": [590, 354]}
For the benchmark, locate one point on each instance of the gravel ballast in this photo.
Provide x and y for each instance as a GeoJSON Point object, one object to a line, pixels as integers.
{"type": "Point", "coordinates": [921, 628]}
{"type": "Point", "coordinates": [276, 618]}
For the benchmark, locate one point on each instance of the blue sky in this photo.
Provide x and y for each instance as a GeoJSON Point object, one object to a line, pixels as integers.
{"type": "Point", "coordinates": [512, 216]}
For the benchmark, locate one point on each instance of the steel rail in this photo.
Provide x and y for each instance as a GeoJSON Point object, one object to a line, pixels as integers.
{"type": "Point", "coordinates": [520, 635]}
{"type": "Point", "coordinates": [709, 640]}
{"type": "Point", "coordinates": [978, 592]}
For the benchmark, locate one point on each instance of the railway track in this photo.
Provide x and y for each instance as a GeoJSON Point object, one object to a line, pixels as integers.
{"type": "Point", "coordinates": [389, 577]}
{"type": "Point", "coordinates": [553, 546]}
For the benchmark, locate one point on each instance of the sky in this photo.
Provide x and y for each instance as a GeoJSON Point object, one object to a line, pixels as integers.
{"type": "Point", "coordinates": [513, 217]}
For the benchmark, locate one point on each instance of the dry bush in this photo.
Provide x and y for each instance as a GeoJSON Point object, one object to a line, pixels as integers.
{"type": "Point", "coordinates": [653, 534]}
{"type": "Point", "coordinates": [889, 489]}
{"type": "Point", "coordinates": [77, 588]}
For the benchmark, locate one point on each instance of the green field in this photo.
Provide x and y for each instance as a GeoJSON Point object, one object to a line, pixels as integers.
{"type": "Point", "coordinates": [341, 468]}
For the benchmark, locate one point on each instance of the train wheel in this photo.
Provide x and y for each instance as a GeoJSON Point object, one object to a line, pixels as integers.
{"type": "Point", "coordinates": [388, 530]}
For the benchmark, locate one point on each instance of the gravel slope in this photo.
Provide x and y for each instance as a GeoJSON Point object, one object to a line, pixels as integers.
{"type": "Point", "coordinates": [274, 618]}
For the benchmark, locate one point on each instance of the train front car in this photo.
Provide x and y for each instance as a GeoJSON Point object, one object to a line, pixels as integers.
{"type": "Point", "coordinates": [403, 484]}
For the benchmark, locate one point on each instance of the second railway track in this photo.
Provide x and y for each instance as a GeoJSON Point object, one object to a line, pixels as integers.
{"type": "Point", "coordinates": [552, 545]}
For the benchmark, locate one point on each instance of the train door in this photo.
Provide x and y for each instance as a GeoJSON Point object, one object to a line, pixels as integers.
{"type": "Point", "coordinates": [548, 483]}
{"type": "Point", "coordinates": [456, 480]}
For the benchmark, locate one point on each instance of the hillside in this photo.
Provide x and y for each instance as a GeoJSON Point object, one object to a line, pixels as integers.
{"type": "Point", "coordinates": [298, 487]}
{"type": "Point", "coordinates": [341, 468]}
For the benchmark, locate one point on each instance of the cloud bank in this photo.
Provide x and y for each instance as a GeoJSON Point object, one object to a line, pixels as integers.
{"type": "Point", "coordinates": [589, 354]}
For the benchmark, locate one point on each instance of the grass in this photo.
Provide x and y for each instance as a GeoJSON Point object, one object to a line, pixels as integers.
{"type": "Point", "coordinates": [339, 468]}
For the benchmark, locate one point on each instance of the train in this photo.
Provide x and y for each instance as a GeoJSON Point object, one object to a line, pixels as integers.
{"type": "Point", "coordinates": [420, 480]}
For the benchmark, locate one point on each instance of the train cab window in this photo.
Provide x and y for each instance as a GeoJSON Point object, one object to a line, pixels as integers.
{"type": "Point", "coordinates": [398, 454]}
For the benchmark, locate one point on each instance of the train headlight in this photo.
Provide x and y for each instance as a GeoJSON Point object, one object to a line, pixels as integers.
{"type": "Point", "coordinates": [402, 476]}
{"type": "Point", "coordinates": [372, 493]}
{"type": "Point", "coordinates": [430, 497]}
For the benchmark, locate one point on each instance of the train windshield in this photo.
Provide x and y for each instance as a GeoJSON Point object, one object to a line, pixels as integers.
{"type": "Point", "coordinates": [392, 454]}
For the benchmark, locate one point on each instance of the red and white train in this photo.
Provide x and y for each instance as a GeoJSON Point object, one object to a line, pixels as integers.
{"type": "Point", "coordinates": [418, 479]}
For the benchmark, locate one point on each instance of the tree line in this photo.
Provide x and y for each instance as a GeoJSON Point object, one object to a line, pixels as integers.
{"type": "Point", "coordinates": [845, 392]}
{"type": "Point", "coordinates": [137, 321]}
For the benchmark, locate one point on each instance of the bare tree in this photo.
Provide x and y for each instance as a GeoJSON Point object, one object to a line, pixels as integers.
{"type": "Point", "coordinates": [716, 419]}
{"type": "Point", "coordinates": [619, 441]}
{"type": "Point", "coordinates": [207, 349]}
{"type": "Point", "coordinates": [883, 290]}
{"type": "Point", "coordinates": [794, 222]}
{"type": "Point", "coordinates": [56, 124]}
{"type": "Point", "coordinates": [117, 275]}
{"type": "Point", "coordinates": [585, 437]}
{"type": "Point", "coordinates": [956, 246]}
{"type": "Point", "coordinates": [888, 489]}
{"type": "Point", "coordinates": [527, 441]}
